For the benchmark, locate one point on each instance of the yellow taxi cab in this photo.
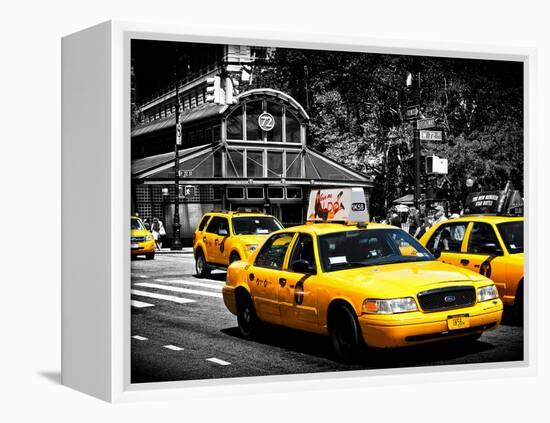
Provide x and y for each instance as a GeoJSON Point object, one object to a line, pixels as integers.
{"type": "Point", "coordinates": [359, 283]}
{"type": "Point", "coordinates": [491, 245]}
{"type": "Point", "coordinates": [223, 237]}
{"type": "Point", "coordinates": [141, 240]}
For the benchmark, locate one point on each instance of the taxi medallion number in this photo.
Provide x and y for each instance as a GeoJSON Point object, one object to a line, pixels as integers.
{"type": "Point", "coordinates": [461, 321]}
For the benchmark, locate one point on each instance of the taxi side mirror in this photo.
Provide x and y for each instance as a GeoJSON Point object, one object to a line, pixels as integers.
{"type": "Point", "coordinates": [302, 266]}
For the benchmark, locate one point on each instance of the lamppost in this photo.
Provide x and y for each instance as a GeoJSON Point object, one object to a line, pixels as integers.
{"type": "Point", "coordinates": [176, 242]}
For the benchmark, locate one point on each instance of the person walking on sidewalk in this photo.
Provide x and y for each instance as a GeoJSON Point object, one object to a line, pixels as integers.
{"type": "Point", "coordinates": [155, 230]}
{"type": "Point", "coordinates": [162, 233]}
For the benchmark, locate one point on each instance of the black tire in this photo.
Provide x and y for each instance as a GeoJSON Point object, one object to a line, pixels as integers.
{"type": "Point", "coordinates": [201, 265]}
{"type": "Point", "coordinates": [234, 257]}
{"type": "Point", "coordinates": [150, 256]}
{"type": "Point", "coordinates": [344, 334]}
{"type": "Point", "coordinates": [246, 316]}
{"type": "Point", "coordinates": [518, 305]}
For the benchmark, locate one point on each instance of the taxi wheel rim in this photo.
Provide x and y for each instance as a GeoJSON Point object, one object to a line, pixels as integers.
{"type": "Point", "coordinates": [344, 333]}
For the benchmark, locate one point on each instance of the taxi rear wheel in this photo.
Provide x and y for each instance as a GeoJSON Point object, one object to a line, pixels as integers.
{"type": "Point", "coordinates": [344, 334]}
{"type": "Point", "coordinates": [246, 316]}
{"type": "Point", "coordinates": [518, 305]}
{"type": "Point", "coordinates": [201, 265]}
{"type": "Point", "coordinates": [150, 256]}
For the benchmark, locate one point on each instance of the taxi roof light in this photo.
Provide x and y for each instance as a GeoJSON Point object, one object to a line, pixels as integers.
{"type": "Point", "coordinates": [338, 205]}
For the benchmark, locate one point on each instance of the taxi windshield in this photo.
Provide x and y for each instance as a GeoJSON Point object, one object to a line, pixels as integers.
{"type": "Point", "coordinates": [136, 224]}
{"type": "Point", "coordinates": [512, 235]}
{"type": "Point", "coordinates": [255, 225]}
{"type": "Point", "coordinates": [360, 248]}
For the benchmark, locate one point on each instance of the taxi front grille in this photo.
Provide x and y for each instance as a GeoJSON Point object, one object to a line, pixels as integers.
{"type": "Point", "coordinates": [447, 298]}
{"type": "Point", "coordinates": [138, 239]}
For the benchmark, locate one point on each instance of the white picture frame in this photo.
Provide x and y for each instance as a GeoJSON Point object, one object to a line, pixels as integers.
{"type": "Point", "coordinates": [96, 160]}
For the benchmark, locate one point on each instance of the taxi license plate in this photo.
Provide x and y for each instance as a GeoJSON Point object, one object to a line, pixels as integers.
{"type": "Point", "coordinates": [134, 246]}
{"type": "Point", "coordinates": [461, 321]}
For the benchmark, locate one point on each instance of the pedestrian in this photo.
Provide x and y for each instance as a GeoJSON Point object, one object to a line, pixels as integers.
{"type": "Point", "coordinates": [425, 224]}
{"type": "Point", "coordinates": [395, 220]}
{"type": "Point", "coordinates": [147, 224]}
{"type": "Point", "coordinates": [439, 214]}
{"type": "Point", "coordinates": [413, 220]}
{"type": "Point", "coordinates": [155, 230]}
{"type": "Point", "coordinates": [162, 234]}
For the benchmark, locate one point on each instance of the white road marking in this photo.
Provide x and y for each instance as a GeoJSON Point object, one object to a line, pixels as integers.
{"type": "Point", "coordinates": [139, 304]}
{"type": "Point", "coordinates": [142, 276]}
{"type": "Point", "coordinates": [178, 289]}
{"type": "Point", "coordinates": [194, 283]}
{"type": "Point", "coordinates": [173, 348]}
{"type": "Point", "coordinates": [218, 361]}
{"type": "Point", "coordinates": [161, 296]}
{"type": "Point", "coordinates": [140, 338]}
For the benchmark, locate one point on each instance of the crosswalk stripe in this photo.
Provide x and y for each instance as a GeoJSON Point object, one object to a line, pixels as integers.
{"type": "Point", "coordinates": [140, 338]}
{"type": "Point", "coordinates": [178, 289]}
{"type": "Point", "coordinates": [161, 296]}
{"type": "Point", "coordinates": [139, 304]}
{"type": "Point", "coordinates": [194, 283]}
{"type": "Point", "coordinates": [173, 348]}
{"type": "Point", "coordinates": [218, 361]}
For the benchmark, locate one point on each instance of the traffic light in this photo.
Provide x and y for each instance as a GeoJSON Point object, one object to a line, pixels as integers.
{"type": "Point", "coordinates": [231, 91]}
{"type": "Point", "coordinates": [213, 90]}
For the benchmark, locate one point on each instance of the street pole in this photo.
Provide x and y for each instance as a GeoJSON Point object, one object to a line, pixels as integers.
{"type": "Point", "coordinates": [176, 243]}
{"type": "Point", "coordinates": [416, 133]}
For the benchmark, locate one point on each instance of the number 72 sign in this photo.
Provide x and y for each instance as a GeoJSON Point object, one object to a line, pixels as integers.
{"type": "Point", "coordinates": [266, 121]}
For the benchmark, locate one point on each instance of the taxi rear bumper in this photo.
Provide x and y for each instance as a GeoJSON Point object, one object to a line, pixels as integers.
{"type": "Point", "coordinates": [229, 299]}
{"type": "Point", "coordinates": [400, 330]}
{"type": "Point", "coordinates": [146, 247]}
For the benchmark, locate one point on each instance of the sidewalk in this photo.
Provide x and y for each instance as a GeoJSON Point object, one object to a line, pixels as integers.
{"type": "Point", "coordinates": [184, 250]}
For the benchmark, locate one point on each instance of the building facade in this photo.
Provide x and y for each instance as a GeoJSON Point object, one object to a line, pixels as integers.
{"type": "Point", "coordinates": [253, 153]}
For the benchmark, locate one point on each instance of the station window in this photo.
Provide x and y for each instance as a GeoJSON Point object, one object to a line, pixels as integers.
{"type": "Point", "coordinates": [275, 193]}
{"type": "Point", "coordinates": [253, 112]}
{"type": "Point", "coordinates": [276, 110]}
{"type": "Point", "coordinates": [235, 164]}
{"type": "Point", "coordinates": [235, 193]}
{"type": "Point", "coordinates": [254, 163]}
{"type": "Point", "coordinates": [255, 193]}
{"type": "Point", "coordinates": [292, 128]}
{"type": "Point", "coordinates": [218, 164]}
{"type": "Point", "coordinates": [293, 193]}
{"type": "Point", "coordinates": [274, 164]}
{"type": "Point", "coordinates": [235, 125]}
{"type": "Point", "coordinates": [293, 165]}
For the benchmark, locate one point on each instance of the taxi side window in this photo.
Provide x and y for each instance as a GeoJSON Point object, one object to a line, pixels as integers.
{"type": "Point", "coordinates": [448, 237]}
{"type": "Point", "coordinates": [203, 222]}
{"type": "Point", "coordinates": [272, 254]}
{"type": "Point", "coordinates": [304, 250]}
{"type": "Point", "coordinates": [483, 240]}
{"type": "Point", "coordinates": [218, 224]}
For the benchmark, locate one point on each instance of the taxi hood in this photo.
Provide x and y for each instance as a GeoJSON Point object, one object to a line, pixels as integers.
{"type": "Point", "coordinates": [404, 278]}
{"type": "Point", "coordinates": [253, 239]}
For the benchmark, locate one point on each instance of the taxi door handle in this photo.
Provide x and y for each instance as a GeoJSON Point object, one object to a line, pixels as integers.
{"type": "Point", "coordinates": [282, 282]}
{"type": "Point", "coordinates": [464, 262]}
{"type": "Point", "coordinates": [204, 238]}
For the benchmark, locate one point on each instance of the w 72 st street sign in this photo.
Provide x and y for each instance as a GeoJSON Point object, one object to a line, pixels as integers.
{"type": "Point", "coordinates": [431, 135]}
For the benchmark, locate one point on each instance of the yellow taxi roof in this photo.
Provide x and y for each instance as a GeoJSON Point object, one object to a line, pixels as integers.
{"type": "Point", "coordinates": [488, 218]}
{"type": "Point", "coordinates": [325, 228]}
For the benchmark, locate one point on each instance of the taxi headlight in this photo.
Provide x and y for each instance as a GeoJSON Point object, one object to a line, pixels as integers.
{"type": "Point", "coordinates": [487, 293]}
{"type": "Point", "coordinates": [148, 237]}
{"type": "Point", "coordinates": [395, 305]}
{"type": "Point", "coordinates": [252, 247]}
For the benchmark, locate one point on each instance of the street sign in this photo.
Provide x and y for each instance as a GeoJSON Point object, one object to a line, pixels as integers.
{"type": "Point", "coordinates": [425, 123]}
{"type": "Point", "coordinates": [413, 111]}
{"type": "Point", "coordinates": [431, 135]}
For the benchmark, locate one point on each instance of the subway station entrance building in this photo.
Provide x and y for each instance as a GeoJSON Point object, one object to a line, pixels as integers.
{"type": "Point", "coordinates": [250, 154]}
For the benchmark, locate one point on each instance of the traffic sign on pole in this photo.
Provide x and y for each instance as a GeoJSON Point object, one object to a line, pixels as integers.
{"type": "Point", "coordinates": [413, 111]}
{"type": "Point", "coordinates": [425, 123]}
{"type": "Point", "coordinates": [431, 135]}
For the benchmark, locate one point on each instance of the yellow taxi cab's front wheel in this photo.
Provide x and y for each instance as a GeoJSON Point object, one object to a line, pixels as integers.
{"type": "Point", "coordinates": [201, 265]}
{"type": "Point", "coordinates": [246, 315]}
{"type": "Point", "coordinates": [345, 334]}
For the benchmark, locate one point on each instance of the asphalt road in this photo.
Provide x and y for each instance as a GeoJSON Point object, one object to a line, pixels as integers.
{"type": "Point", "coordinates": [181, 330]}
